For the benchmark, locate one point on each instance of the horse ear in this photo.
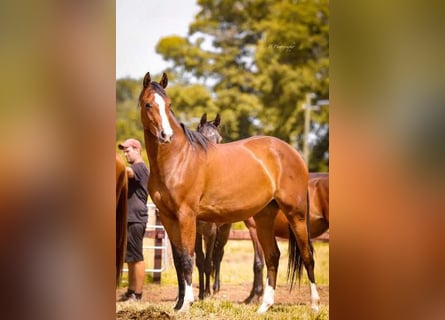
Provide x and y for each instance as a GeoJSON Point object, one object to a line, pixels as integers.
{"type": "Point", "coordinates": [203, 119]}
{"type": "Point", "coordinates": [217, 120]}
{"type": "Point", "coordinates": [164, 80]}
{"type": "Point", "coordinates": [147, 80]}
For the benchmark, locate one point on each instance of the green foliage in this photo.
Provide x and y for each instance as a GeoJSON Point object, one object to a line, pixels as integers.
{"type": "Point", "coordinates": [253, 61]}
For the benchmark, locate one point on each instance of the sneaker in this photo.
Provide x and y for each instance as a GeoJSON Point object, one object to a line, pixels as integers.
{"type": "Point", "coordinates": [128, 297]}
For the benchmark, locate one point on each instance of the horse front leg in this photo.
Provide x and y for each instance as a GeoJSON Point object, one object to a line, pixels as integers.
{"type": "Point", "coordinates": [182, 234]}
{"type": "Point", "coordinates": [187, 236]}
{"type": "Point", "coordinates": [179, 275]}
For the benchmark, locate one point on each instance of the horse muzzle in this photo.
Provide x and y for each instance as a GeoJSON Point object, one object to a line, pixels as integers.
{"type": "Point", "coordinates": [165, 138]}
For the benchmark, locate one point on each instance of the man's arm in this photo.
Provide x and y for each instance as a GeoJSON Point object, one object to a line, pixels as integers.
{"type": "Point", "coordinates": [130, 172]}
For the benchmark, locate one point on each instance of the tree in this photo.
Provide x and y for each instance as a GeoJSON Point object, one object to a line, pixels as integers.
{"type": "Point", "coordinates": [254, 61]}
{"type": "Point", "coordinates": [293, 60]}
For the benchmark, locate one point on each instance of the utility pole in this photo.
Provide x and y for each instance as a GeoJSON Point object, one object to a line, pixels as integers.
{"type": "Point", "coordinates": [307, 122]}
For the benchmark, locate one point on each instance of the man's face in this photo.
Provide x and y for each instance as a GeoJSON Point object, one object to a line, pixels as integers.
{"type": "Point", "coordinates": [131, 154]}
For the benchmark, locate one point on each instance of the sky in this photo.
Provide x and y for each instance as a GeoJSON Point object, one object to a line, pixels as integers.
{"type": "Point", "coordinates": [139, 26]}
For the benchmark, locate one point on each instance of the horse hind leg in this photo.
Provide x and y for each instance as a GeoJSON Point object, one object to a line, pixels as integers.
{"type": "Point", "coordinates": [258, 264]}
{"type": "Point", "coordinates": [264, 220]}
{"type": "Point", "coordinates": [300, 247]}
{"type": "Point", "coordinates": [303, 252]}
{"type": "Point", "coordinates": [200, 264]}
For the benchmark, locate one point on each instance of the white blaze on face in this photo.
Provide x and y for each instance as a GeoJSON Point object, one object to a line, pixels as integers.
{"type": "Point", "coordinates": [162, 110]}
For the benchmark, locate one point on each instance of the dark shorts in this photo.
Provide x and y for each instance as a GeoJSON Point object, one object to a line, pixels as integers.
{"type": "Point", "coordinates": [135, 237]}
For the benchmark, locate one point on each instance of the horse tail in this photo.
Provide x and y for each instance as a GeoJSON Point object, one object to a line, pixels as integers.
{"type": "Point", "coordinates": [295, 262]}
{"type": "Point", "coordinates": [121, 216]}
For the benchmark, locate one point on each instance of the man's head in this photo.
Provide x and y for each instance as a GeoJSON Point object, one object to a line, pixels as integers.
{"type": "Point", "coordinates": [132, 150]}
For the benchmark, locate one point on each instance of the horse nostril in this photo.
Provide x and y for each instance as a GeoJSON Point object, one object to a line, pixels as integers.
{"type": "Point", "coordinates": [162, 134]}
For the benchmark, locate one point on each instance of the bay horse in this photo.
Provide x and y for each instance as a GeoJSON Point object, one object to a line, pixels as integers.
{"type": "Point", "coordinates": [261, 175]}
{"type": "Point", "coordinates": [121, 215]}
{"type": "Point", "coordinates": [318, 224]}
{"type": "Point", "coordinates": [319, 220]}
{"type": "Point", "coordinates": [213, 235]}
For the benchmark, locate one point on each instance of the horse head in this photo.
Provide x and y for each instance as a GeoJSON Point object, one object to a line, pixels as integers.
{"type": "Point", "coordinates": [155, 108]}
{"type": "Point", "coordinates": [210, 128]}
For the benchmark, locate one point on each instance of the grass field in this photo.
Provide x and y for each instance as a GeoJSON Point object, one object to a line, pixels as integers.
{"type": "Point", "coordinates": [237, 264]}
{"type": "Point", "coordinates": [236, 281]}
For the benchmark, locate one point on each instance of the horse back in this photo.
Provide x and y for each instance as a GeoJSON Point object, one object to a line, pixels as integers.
{"type": "Point", "coordinates": [271, 154]}
{"type": "Point", "coordinates": [245, 175]}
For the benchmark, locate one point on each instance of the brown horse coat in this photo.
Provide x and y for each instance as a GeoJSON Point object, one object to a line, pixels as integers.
{"type": "Point", "coordinates": [260, 175]}
{"type": "Point", "coordinates": [121, 214]}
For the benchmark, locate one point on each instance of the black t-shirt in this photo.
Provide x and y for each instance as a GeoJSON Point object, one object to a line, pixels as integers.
{"type": "Point", "coordinates": [137, 193]}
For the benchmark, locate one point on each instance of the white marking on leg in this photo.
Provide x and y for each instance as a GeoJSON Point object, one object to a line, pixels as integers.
{"type": "Point", "coordinates": [162, 110]}
{"type": "Point", "coordinates": [315, 298]}
{"type": "Point", "coordinates": [188, 298]}
{"type": "Point", "coordinates": [268, 298]}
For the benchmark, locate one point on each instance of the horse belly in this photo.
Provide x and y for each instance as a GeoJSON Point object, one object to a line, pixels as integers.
{"type": "Point", "coordinates": [233, 208]}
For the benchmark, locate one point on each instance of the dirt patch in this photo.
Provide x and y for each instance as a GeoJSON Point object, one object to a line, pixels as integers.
{"type": "Point", "coordinates": [157, 297]}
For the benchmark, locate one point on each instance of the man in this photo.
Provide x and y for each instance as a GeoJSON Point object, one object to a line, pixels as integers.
{"type": "Point", "coordinates": [137, 218]}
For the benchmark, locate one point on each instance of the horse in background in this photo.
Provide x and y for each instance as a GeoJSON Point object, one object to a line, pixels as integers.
{"type": "Point", "coordinates": [260, 175]}
{"type": "Point", "coordinates": [121, 215]}
{"type": "Point", "coordinates": [213, 235]}
{"type": "Point", "coordinates": [318, 224]}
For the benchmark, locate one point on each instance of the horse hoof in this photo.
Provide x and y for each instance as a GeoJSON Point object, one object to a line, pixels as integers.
{"type": "Point", "coordinates": [185, 307]}
{"type": "Point", "coordinates": [252, 299]}
{"type": "Point", "coordinates": [315, 308]}
{"type": "Point", "coordinates": [178, 305]}
{"type": "Point", "coordinates": [263, 308]}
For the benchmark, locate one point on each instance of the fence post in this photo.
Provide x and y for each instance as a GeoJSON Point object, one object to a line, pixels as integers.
{"type": "Point", "coordinates": [159, 236]}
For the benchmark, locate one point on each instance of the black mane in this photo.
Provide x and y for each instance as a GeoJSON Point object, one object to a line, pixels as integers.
{"type": "Point", "coordinates": [196, 138]}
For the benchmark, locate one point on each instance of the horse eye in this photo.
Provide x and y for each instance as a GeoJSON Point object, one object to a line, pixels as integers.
{"type": "Point", "coordinates": [147, 105]}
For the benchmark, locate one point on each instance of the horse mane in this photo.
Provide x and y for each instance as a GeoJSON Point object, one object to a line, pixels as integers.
{"type": "Point", "coordinates": [159, 89]}
{"type": "Point", "coordinates": [196, 138]}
